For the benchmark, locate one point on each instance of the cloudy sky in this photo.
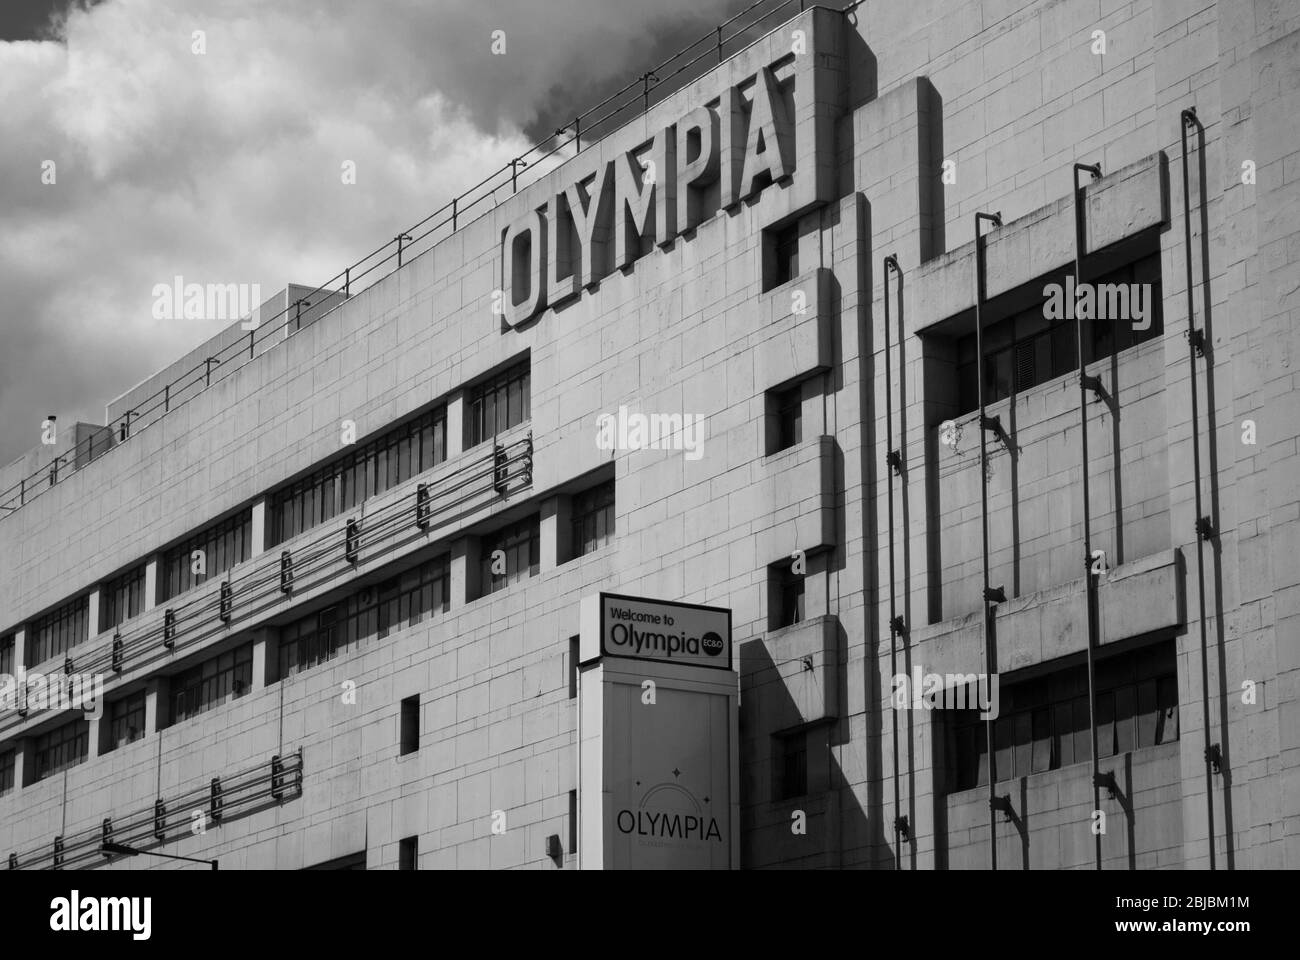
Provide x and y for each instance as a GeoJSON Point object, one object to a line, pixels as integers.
{"type": "Point", "coordinates": [224, 167]}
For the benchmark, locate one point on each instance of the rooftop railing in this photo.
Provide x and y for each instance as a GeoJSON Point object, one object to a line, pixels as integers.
{"type": "Point", "coordinates": [632, 100]}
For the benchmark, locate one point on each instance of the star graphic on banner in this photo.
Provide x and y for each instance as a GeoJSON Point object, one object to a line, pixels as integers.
{"type": "Point", "coordinates": [676, 772]}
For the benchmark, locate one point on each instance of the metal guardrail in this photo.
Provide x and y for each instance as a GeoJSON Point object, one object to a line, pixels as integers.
{"type": "Point", "coordinates": [165, 820]}
{"type": "Point", "coordinates": [661, 80]}
{"type": "Point", "coordinates": [331, 555]}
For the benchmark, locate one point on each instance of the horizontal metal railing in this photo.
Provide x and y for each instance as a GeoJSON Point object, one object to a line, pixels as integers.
{"type": "Point", "coordinates": [168, 819]}
{"type": "Point", "coordinates": [504, 469]}
{"type": "Point", "coordinates": [619, 108]}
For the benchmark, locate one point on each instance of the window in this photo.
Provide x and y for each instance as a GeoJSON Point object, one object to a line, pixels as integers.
{"type": "Point", "coordinates": [7, 655]}
{"type": "Point", "coordinates": [783, 256]}
{"type": "Point", "coordinates": [399, 454]}
{"type": "Point", "coordinates": [787, 410]}
{"type": "Point", "coordinates": [7, 767]}
{"type": "Point", "coordinates": [1025, 349]}
{"type": "Point", "coordinates": [791, 766]}
{"type": "Point", "coordinates": [410, 725]}
{"type": "Point", "coordinates": [573, 822]}
{"type": "Point", "coordinates": [223, 544]}
{"type": "Point", "coordinates": [121, 599]}
{"type": "Point", "coordinates": [787, 598]}
{"type": "Point", "coordinates": [1042, 724]}
{"type": "Point", "coordinates": [58, 631]}
{"type": "Point", "coordinates": [209, 684]}
{"type": "Point", "coordinates": [497, 404]}
{"type": "Point", "coordinates": [62, 747]}
{"type": "Point", "coordinates": [573, 667]}
{"type": "Point", "coordinates": [408, 853]}
{"type": "Point", "coordinates": [126, 720]}
{"type": "Point", "coordinates": [593, 519]}
{"type": "Point", "coordinates": [371, 612]}
{"type": "Point", "coordinates": [518, 544]}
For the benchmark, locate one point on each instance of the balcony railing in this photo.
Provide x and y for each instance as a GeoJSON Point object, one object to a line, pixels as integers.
{"type": "Point", "coordinates": [168, 819]}
{"type": "Point", "coordinates": [328, 557]}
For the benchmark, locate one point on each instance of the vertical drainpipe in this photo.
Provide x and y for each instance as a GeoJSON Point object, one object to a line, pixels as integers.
{"type": "Point", "coordinates": [1090, 587]}
{"type": "Point", "coordinates": [1195, 346]}
{"type": "Point", "coordinates": [996, 220]}
{"type": "Point", "coordinates": [893, 462]}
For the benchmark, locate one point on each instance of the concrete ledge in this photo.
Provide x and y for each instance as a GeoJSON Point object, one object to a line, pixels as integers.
{"type": "Point", "coordinates": [779, 687]}
{"type": "Point", "coordinates": [797, 344]}
{"type": "Point", "coordinates": [796, 499]}
{"type": "Point", "coordinates": [1136, 598]}
{"type": "Point", "coordinates": [1119, 205]}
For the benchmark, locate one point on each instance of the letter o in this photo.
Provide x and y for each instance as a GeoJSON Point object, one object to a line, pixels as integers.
{"type": "Point", "coordinates": [615, 636]}
{"type": "Point", "coordinates": [518, 265]}
{"type": "Point", "coordinates": [627, 829]}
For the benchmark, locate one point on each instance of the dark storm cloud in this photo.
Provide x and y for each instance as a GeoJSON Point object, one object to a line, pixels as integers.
{"type": "Point", "coordinates": [225, 167]}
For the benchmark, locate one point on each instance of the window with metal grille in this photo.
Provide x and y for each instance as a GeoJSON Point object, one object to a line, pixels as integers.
{"type": "Point", "coordinates": [394, 457]}
{"type": "Point", "coordinates": [60, 748]}
{"type": "Point", "coordinates": [121, 598]}
{"type": "Point", "coordinates": [58, 631]}
{"type": "Point", "coordinates": [369, 613]}
{"type": "Point", "coordinates": [497, 404]}
{"type": "Point", "coordinates": [518, 546]}
{"type": "Point", "coordinates": [1025, 349]}
{"type": "Point", "coordinates": [223, 544]}
{"type": "Point", "coordinates": [593, 518]}
{"type": "Point", "coordinates": [7, 767]}
{"type": "Point", "coordinates": [1042, 724]}
{"type": "Point", "coordinates": [126, 720]}
{"type": "Point", "coordinates": [790, 768]}
{"type": "Point", "coordinates": [209, 684]}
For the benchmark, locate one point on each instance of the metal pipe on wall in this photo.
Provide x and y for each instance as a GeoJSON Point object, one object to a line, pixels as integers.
{"type": "Point", "coordinates": [1090, 586]}
{"type": "Point", "coordinates": [893, 462]}
{"type": "Point", "coordinates": [996, 220]}
{"type": "Point", "coordinates": [1204, 528]}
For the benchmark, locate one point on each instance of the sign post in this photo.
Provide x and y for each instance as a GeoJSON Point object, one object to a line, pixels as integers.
{"type": "Point", "coordinates": [658, 765]}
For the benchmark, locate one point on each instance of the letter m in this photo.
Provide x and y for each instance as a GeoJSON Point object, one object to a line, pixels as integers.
{"type": "Point", "coordinates": [223, 301]}
{"type": "Point", "coordinates": [119, 909]}
{"type": "Point", "coordinates": [1115, 298]}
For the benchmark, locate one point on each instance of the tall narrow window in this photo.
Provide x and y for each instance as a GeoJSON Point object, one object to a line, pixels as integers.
{"type": "Point", "coordinates": [126, 720]}
{"type": "Point", "coordinates": [210, 683]}
{"type": "Point", "coordinates": [573, 667]}
{"type": "Point", "coordinates": [410, 725]}
{"type": "Point", "coordinates": [509, 555]}
{"type": "Point", "coordinates": [408, 853]}
{"type": "Point", "coordinates": [785, 409]}
{"type": "Point", "coordinates": [791, 771]}
{"type": "Point", "coordinates": [62, 747]}
{"type": "Point", "coordinates": [58, 631]}
{"type": "Point", "coordinates": [497, 404]}
{"type": "Point", "coordinates": [593, 518]}
{"type": "Point", "coordinates": [573, 822]}
{"type": "Point", "coordinates": [7, 655]}
{"type": "Point", "coordinates": [222, 546]}
{"type": "Point", "coordinates": [121, 599]}
{"type": "Point", "coordinates": [782, 260]}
